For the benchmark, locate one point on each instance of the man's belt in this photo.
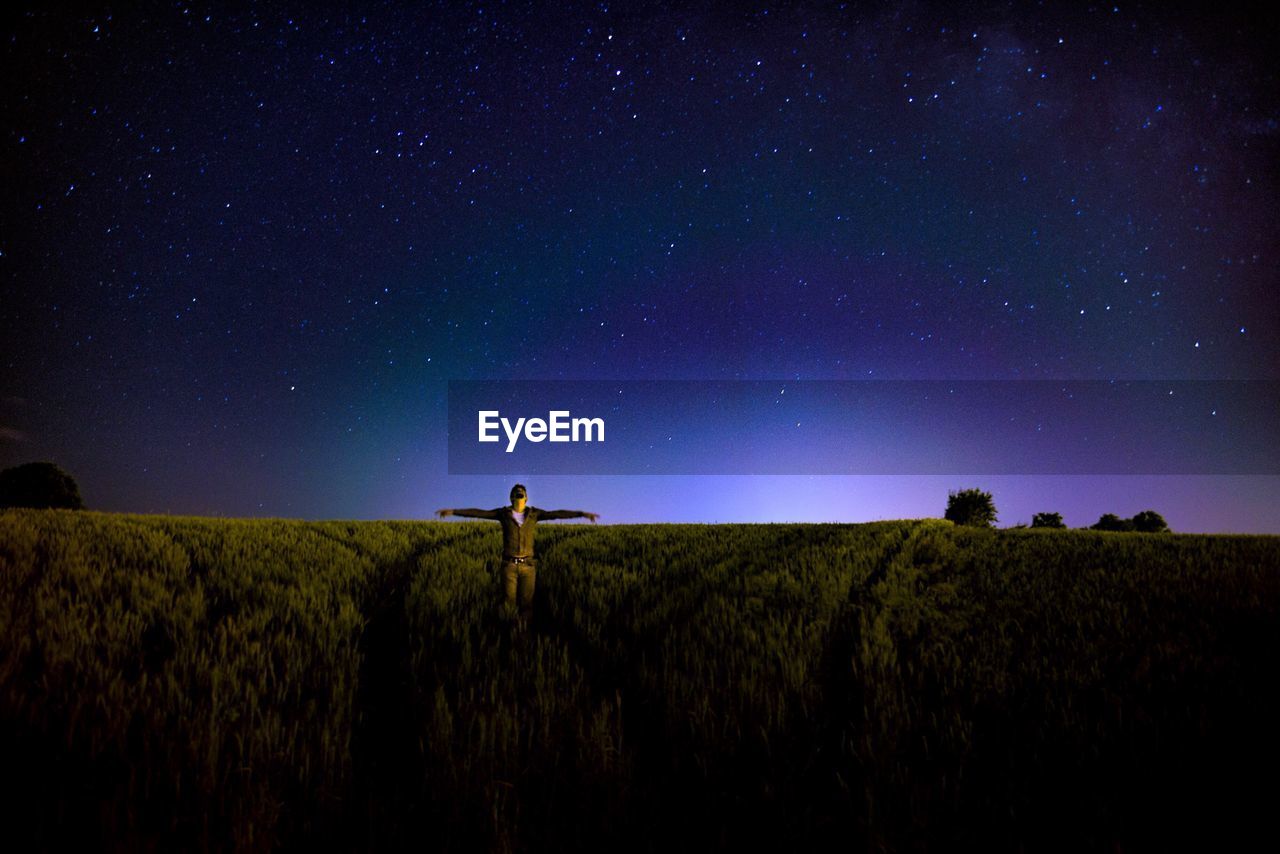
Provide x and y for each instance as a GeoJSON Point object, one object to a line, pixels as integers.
{"type": "Point", "coordinates": [518, 558]}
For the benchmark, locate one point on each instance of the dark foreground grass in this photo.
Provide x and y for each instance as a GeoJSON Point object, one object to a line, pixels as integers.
{"type": "Point", "coordinates": [186, 683]}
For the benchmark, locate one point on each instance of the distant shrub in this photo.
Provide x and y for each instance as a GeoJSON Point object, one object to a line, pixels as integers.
{"type": "Point", "coordinates": [1047, 520]}
{"type": "Point", "coordinates": [39, 485]}
{"type": "Point", "coordinates": [971, 507]}
{"type": "Point", "coordinates": [1112, 522]}
{"type": "Point", "coordinates": [1151, 522]}
{"type": "Point", "coordinates": [1147, 522]}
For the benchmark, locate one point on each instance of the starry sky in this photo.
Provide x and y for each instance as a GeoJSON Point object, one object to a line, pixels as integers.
{"type": "Point", "coordinates": [244, 248]}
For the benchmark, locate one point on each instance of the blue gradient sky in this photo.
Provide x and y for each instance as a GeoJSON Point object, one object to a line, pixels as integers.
{"type": "Point", "coordinates": [244, 248]}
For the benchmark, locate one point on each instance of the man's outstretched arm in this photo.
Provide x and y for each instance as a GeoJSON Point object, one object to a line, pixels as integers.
{"type": "Point", "coordinates": [567, 514]}
{"type": "Point", "coordinates": [473, 512]}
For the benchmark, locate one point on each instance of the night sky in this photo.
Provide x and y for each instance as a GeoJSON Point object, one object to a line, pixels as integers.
{"type": "Point", "coordinates": [244, 249]}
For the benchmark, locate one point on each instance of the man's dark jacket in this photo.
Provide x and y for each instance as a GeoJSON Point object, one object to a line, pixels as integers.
{"type": "Point", "coordinates": [517, 540]}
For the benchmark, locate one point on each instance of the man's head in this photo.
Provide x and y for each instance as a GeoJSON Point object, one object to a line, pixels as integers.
{"type": "Point", "coordinates": [519, 495]}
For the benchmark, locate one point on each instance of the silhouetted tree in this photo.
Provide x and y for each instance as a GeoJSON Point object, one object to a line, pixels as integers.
{"type": "Point", "coordinates": [39, 485]}
{"type": "Point", "coordinates": [1151, 522]}
{"type": "Point", "coordinates": [971, 507]}
{"type": "Point", "coordinates": [1112, 522]}
{"type": "Point", "coordinates": [1047, 520]}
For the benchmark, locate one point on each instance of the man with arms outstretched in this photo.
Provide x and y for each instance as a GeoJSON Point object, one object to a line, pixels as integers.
{"type": "Point", "coordinates": [519, 566]}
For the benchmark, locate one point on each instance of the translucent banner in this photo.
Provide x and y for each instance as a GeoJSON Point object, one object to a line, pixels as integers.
{"type": "Point", "coordinates": [864, 427]}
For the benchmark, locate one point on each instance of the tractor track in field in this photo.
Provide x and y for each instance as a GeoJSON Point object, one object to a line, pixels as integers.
{"type": "Point", "coordinates": [385, 765]}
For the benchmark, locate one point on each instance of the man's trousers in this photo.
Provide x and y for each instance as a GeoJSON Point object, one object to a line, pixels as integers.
{"type": "Point", "coordinates": [518, 581]}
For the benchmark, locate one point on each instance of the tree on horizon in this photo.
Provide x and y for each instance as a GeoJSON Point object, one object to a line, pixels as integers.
{"type": "Point", "coordinates": [1150, 522]}
{"type": "Point", "coordinates": [40, 484]}
{"type": "Point", "coordinates": [971, 507]}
